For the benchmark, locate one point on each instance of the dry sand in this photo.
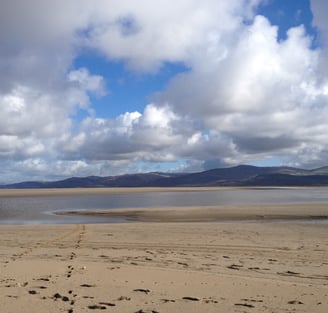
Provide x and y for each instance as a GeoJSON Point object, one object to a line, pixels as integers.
{"type": "Point", "coordinates": [165, 267]}
{"type": "Point", "coordinates": [206, 259]}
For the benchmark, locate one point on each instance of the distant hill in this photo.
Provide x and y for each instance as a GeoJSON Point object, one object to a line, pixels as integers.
{"type": "Point", "coordinates": [242, 175]}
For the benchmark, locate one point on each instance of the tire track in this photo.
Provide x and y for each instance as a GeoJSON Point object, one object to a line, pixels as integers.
{"type": "Point", "coordinates": [28, 248]}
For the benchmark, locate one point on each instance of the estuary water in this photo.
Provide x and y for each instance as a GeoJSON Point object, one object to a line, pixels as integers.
{"type": "Point", "coordinates": [42, 209]}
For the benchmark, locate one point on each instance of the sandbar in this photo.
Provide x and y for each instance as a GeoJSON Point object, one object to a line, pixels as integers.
{"type": "Point", "coordinates": [282, 212]}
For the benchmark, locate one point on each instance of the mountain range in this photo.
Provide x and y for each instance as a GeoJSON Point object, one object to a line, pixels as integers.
{"type": "Point", "coordinates": [242, 175]}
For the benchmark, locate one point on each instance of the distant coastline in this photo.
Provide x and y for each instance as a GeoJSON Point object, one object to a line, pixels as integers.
{"type": "Point", "coordinates": [238, 176]}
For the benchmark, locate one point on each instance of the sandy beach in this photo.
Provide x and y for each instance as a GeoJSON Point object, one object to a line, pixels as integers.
{"type": "Point", "coordinates": [166, 267]}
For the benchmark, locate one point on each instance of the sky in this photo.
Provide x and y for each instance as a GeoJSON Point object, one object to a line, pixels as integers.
{"type": "Point", "coordinates": [109, 87]}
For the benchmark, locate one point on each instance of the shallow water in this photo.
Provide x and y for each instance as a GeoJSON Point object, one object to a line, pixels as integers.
{"type": "Point", "coordinates": [41, 209]}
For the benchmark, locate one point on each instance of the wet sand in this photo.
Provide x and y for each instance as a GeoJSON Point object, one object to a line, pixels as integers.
{"type": "Point", "coordinates": [222, 213]}
{"type": "Point", "coordinates": [119, 190]}
{"type": "Point", "coordinates": [168, 267]}
{"type": "Point", "coordinates": [77, 191]}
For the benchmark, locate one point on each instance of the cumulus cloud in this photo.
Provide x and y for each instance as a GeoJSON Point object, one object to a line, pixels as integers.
{"type": "Point", "coordinates": [130, 136]}
{"type": "Point", "coordinates": [263, 93]}
{"type": "Point", "coordinates": [160, 33]}
{"type": "Point", "coordinates": [32, 120]}
{"type": "Point", "coordinates": [247, 94]}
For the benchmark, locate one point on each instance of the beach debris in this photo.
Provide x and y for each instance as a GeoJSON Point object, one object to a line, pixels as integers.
{"type": "Point", "coordinates": [190, 298]}
{"type": "Point", "coordinates": [295, 302]}
{"type": "Point", "coordinates": [288, 273]}
{"type": "Point", "coordinates": [87, 285]}
{"type": "Point", "coordinates": [210, 300]}
{"type": "Point", "coordinates": [142, 311]}
{"type": "Point", "coordinates": [121, 298]}
{"type": "Point", "coordinates": [146, 291]}
{"type": "Point", "coordinates": [32, 292]}
{"type": "Point", "coordinates": [97, 307]}
{"type": "Point", "coordinates": [245, 305]}
{"type": "Point", "coordinates": [43, 279]}
{"type": "Point", "coordinates": [167, 300]}
{"type": "Point", "coordinates": [57, 296]}
{"type": "Point", "coordinates": [254, 268]}
{"type": "Point", "coordinates": [234, 267]}
{"type": "Point", "coordinates": [184, 264]}
{"type": "Point", "coordinates": [107, 303]}
{"type": "Point", "coordinates": [251, 300]}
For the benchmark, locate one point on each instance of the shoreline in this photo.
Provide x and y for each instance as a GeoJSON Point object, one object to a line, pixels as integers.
{"type": "Point", "coordinates": [125, 190]}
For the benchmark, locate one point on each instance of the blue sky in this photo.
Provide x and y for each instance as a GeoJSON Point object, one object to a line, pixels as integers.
{"type": "Point", "coordinates": [126, 90]}
{"type": "Point", "coordinates": [287, 14]}
{"type": "Point", "coordinates": [109, 88]}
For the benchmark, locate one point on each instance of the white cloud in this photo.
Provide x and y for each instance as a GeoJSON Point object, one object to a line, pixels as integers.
{"type": "Point", "coordinates": [263, 94]}
{"type": "Point", "coordinates": [246, 94]}
{"type": "Point", "coordinates": [130, 136]}
{"type": "Point", "coordinates": [147, 33]}
{"type": "Point", "coordinates": [87, 82]}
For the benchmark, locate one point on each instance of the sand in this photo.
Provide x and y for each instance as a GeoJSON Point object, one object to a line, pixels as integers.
{"type": "Point", "coordinates": [118, 190]}
{"type": "Point", "coordinates": [201, 259]}
{"type": "Point", "coordinates": [77, 191]}
{"type": "Point", "coordinates": [223, 213]}
{"type": "Point", "coordinates": [165, 267]}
